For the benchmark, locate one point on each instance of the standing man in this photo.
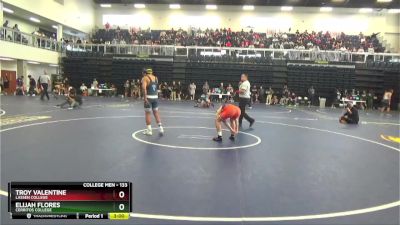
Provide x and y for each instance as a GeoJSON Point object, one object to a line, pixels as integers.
{"type": "Point", "coordinates": [32, 85]}
{"type": "Point", "coordinates": [244, 99]}
{"type": "Point", "coordinates": [44, 81]}
{"type": "Point", "coordinates": [174, 91]}
{"type": "Point", "coordinates": [150, 96]}
{"type": "Point", "coordinates": [311, 95]}
{"type": "Point", "coordinates": [231, 112]}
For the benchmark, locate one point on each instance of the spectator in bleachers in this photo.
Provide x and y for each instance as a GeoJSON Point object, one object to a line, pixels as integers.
{"type": "Point", "coordinates": [227, 38]}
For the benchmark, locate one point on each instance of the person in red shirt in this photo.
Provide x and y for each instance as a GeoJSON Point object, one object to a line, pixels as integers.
{"type": "Point", "coordinates": [225, 112]}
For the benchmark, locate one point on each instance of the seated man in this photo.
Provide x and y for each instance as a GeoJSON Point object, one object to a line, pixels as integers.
{"type": "Point", "coordinates": [350, 116]}
{"type": "Point", "coordinates": [72, 99]}
{"type": "Point", "coordinates": [84, 89]}
{"type": "Point", "coordinates": [204, 102]}
{"type": "Point", "coordinates": [231, 112]}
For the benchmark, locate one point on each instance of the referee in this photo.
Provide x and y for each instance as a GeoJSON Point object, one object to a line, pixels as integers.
{"type": "Point", "coordinates": [244, 99]}
{"type": "Point", "coordinates": [44, 81]}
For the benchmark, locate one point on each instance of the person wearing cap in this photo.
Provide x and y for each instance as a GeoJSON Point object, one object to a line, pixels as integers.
{"type": "Point", "coordinates": [150, 96]}
{"type": "Point", "coordinates": [350, 116]}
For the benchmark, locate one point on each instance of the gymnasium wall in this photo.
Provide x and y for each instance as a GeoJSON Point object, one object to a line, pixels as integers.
{"type": "Point", "coordinates": [78, 14]}
{"type": "Point", "coordinates": [18, 51]}
{"type": "Point", "coordinates": [32, 69]}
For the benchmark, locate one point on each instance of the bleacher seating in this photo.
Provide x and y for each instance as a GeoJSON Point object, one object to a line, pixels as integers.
{"type": "Point", "coordinates": [298, 75]}
{"type": "Point", "coordinates": [227, 38]}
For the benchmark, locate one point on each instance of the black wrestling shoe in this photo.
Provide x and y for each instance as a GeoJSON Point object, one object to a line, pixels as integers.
{"type": "Point", "coordinates": [232, 138]}
{"type": "Point", "coordinates": [252, 122]}
{"type": "Point", "coordinates": [217, 139]}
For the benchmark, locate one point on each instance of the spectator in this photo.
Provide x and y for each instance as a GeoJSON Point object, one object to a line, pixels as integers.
{"type": "Point", "coordinates": [127, 88]}
{"type": "Point", "coordinates": [269, 93]}
{"type": "Point", "coordinates": [179, 91]}
{"type": "Point", "coordinates": [192, 90]}
{"type": "Point", "coordinates": [206, 88]}
{"type": "Point", "coordinates": [20, 86]}
{"type": "Point", "coordinates": [32, 85]}
{"type": "Point", "coordinates": [84, 90]}
{"type": "Point", "coordinates": [175, 89]}
{"type": "Point", "coordinates": [311, 95]}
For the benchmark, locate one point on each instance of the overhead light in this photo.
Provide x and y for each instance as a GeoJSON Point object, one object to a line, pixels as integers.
{"type": "Point", "coordinates": [53, 65]}
{"type": "Point", "coordinates": [7, 10]}
{"type": "Point", "coordinates": [6, 59]}
{"type": "Point", "coordinates": [287, 8]}
{"type": "Point", "coordinates": [383, 1]}
{"type": "Point", "coordinates": [33, 62]}
{"type": "Point", "coordinates": [394, 11]}
{"type": "Point", "coordinates": [248, 7]}
{"type": "Point", "coordinates": [211, 7]}
{"type": "Point", "coordinates": [105, 5]}
{"type": "Point", "coordinates": [174, 6]}
{"type": "Point", "coordinates": [34, 20]}
{"type": "Point", "coordinates": [366, 10]}
{"type": "Point", "coordinates": [326, 9]}
{"type": "Point", "coordinates": [55, 27]}
{"type": "Point", "coordinates": [139, 6]}
{"type": "Point", "coordinates": [338, 1]}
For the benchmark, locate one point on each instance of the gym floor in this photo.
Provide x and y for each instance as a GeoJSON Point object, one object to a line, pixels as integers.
{"type": "Point", "coordinates": [295, 166]}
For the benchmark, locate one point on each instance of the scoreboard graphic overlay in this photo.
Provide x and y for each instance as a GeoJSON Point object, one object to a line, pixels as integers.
{"type": "Point", "coordinates": [70, 200]}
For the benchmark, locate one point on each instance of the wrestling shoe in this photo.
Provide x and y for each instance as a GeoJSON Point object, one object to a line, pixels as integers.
{"type": "Point", "coordinates": [217, 139]}
{"type": "Point", "coordinates": [161, 129]}
{"type": "Point", "coordinates": [252, 122]}
{"type": "Point", "coordinates": [148, 132]}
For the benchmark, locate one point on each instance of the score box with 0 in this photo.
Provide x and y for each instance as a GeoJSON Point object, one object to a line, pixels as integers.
{"type": "Point", "coordinates": [70, 197]}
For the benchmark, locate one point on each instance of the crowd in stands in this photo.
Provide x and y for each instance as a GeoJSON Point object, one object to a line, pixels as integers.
{"type": "Point", "coordinates": [245, 39]}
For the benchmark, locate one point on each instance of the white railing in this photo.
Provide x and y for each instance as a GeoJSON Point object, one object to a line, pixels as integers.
{"type": "Point", "coordinates": [292, 54]}
{"type": "Point", "coordinates": [11, 35]}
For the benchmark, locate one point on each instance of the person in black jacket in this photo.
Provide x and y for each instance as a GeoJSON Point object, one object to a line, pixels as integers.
{"type": "Point", "coordinates": [32, 85]}
{"type": "Point", "coordinates": [350, 116]}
